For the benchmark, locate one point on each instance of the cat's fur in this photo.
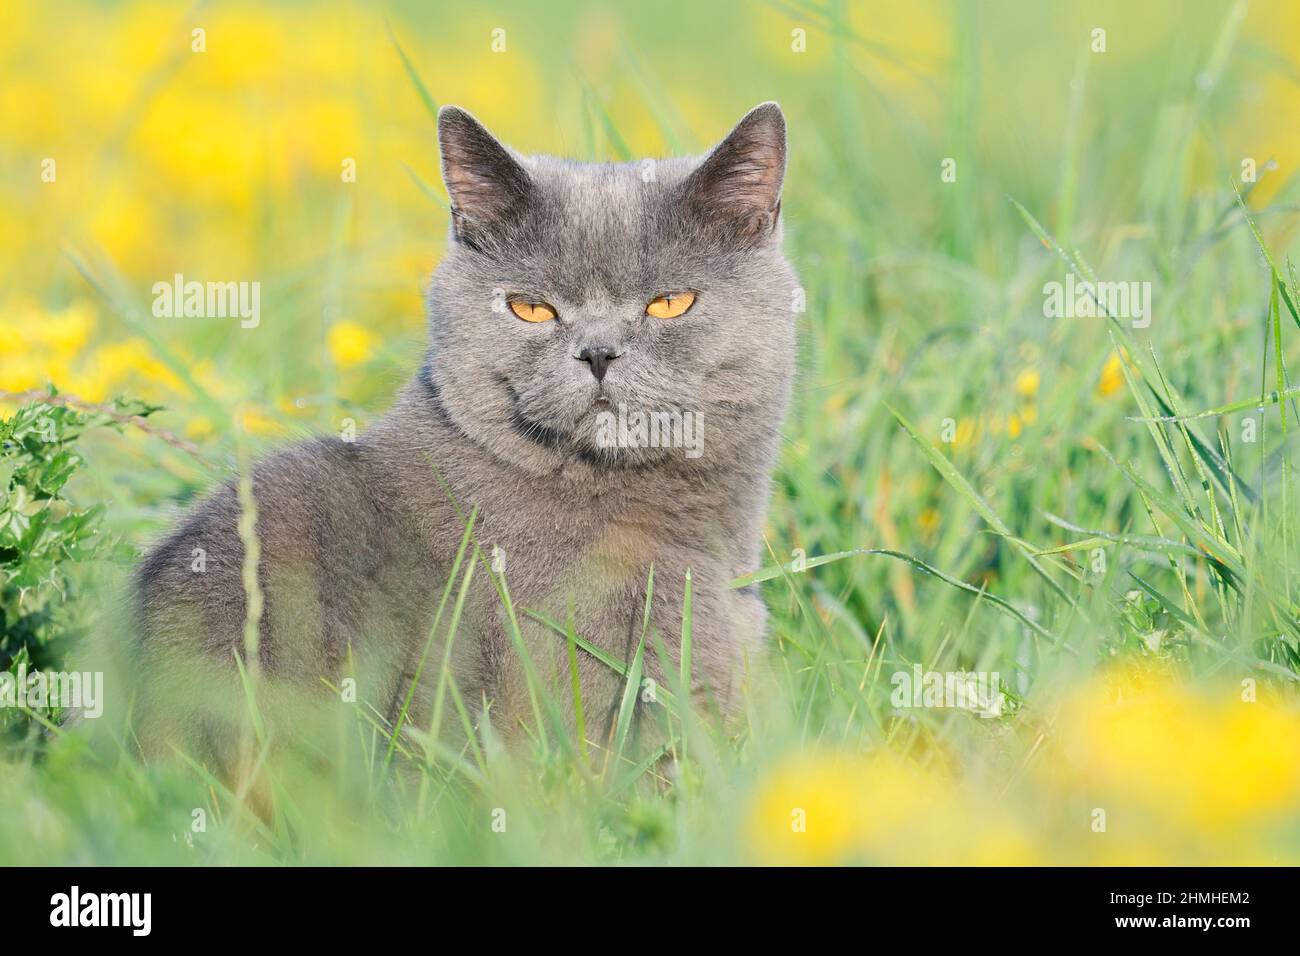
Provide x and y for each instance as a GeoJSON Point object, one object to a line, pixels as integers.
{"type": "Point", "coordinates": [357, 538]}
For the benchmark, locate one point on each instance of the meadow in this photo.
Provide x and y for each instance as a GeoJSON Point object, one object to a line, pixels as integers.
{"type": "Point", "coordinates": [1092, 508]}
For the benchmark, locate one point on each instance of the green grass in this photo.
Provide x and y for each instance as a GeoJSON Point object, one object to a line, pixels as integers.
{"type": "Point", "coordinates": [888, 546]}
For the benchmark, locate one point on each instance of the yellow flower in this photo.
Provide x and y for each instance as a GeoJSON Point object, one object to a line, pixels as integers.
{"type": "Point", "coordinates": [826, 808]}
{"type": "Point", "coordinates": [1212, 763]}
{"type": "Point", "coordinates": [1112, 376]}
{"type": "Point", "coordinates": [25, 327]}
{"type": "Point", "coordinates": [18, 375]}
{"type": "Point", "coordinates": [65, 333]}
{"type": "Point", "coordinates": [928, 519]}
{"type": "Point", "coordinates": [257, 422]}
{"type": "Point", "coordinates": [199, 427]}
{"type": "Point", "coordinates": [350, 343]}
{"type": "Point", "coordinates": [1027, 383]}
{"type": "Point", "coordinates": [123, 366]}
{"type": "Point", "coordinates": [810, 811]}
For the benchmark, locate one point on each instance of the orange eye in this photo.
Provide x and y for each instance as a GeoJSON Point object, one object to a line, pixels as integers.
{"type": "Point", "coordinates": [533, 311]}
{"type": "Point", "coordinates": [670, 305]}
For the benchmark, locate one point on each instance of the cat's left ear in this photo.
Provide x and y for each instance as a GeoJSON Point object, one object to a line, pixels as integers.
{"type": "Point", "coordinates": [486, 184]}
{"type": "Point", "coordinates": [738, 185]}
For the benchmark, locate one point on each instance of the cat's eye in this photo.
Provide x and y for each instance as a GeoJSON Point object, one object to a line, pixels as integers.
{"type": "Point", "coordinates": [533, 311]}
{"type": "Point", "coordinates": [670, 305]}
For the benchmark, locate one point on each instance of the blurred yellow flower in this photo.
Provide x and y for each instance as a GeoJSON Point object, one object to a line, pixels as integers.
{"type": "Point", "coordinates": [350, 343]}
{"type": "Point", "coordinates": [257, 422]}
{"type": "Point", "coordinates": [1176, 772]}
{"type": "Point", "coordinates": [199, 427]}
{"type": "Point", "coordinates": [810, 811]}
{"type": "Point", "coordinates": [1111, 379]}
{"type": "Point", "coordinates": [18, 375]}
{"type": "Point", "coordinates": [928, 519]}
{"type": "Point", "coordinates": [1027, 383]}
{"type": "Point", "coordinates": [111, 368]}
{"type": "Point", "coordinates": [1214, 763]}
{"type": "Point", "coordinates": [26, 328]}
{"type": "Point", "coordinates": [828, 808]}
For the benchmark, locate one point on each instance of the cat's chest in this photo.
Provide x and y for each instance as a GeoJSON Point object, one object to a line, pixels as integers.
{"type": "Point", "coordinates": [552, 538]}
{"type": "Point", "coordinates": [558, 526]}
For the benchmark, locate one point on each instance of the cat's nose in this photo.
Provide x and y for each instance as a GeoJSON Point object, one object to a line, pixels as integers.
{"type": "Point", "coordinates": [599, 357]}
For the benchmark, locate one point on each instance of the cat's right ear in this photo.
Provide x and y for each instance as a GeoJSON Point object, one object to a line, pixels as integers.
{"type": "Point", "coordinates": [486, 184]}
{"type": "Point", "coordinates": [738, 185]}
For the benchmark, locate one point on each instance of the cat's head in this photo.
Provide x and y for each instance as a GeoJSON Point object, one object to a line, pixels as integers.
{"type": "Point", "coordinates": [617, 315]}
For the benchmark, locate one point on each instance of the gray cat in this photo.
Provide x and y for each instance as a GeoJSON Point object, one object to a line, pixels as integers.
{"type": "Point", "coordinates": [610, 356]}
